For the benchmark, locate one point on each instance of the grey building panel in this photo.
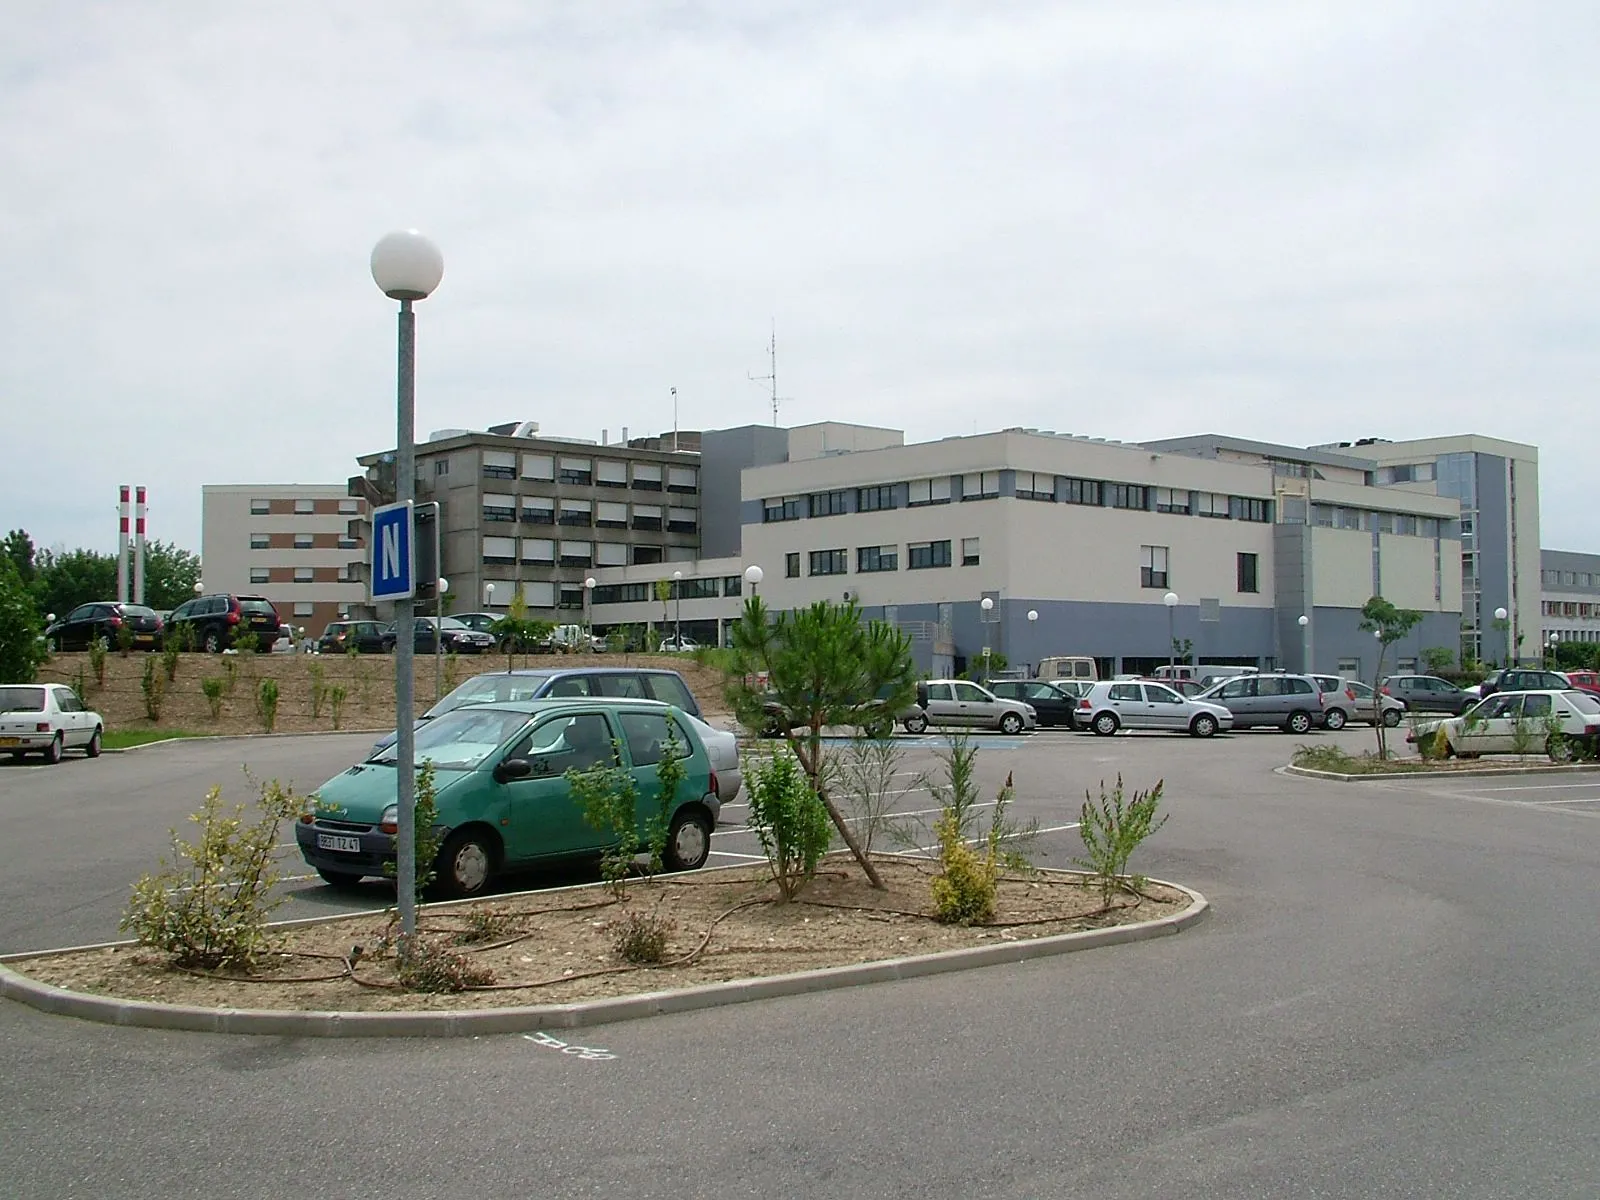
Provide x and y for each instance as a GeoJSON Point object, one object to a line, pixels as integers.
{"type": "Point", "coordinates": [1291, 586]}
{"type": "Point", "coordinates": [724, 453]}
{"type": "Point", "coordinates": [1208, 445]}
{"type": "Point", "coordinates": [1336, 635]}
{"type": "Point", "coordinates": [1493, 540]}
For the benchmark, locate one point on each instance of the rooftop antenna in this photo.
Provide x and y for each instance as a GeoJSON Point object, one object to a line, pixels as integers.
{"type": "Point", "coordinates": [674, 419]}
{"type": "Point", "coordinates": [772, 375]}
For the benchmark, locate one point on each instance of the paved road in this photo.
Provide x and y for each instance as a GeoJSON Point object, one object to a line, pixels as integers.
{"type": "Point", "coordinates": [1393, 998]}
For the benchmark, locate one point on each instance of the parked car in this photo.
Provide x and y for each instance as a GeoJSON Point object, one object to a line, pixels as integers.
{"type": "Point", "coordinates": [288, 640]}
{"type": "Point", "coordinates": [502, 793]}
{"type": "Point", "coordinates": [1291, 702]}
{"type": "Point", "coordinates": [878, 721]}
{"type": "Point", "coordinates": [1148, 704]}
{"type": "Point", "coordinates": [365, 637]}
{"type": "Point", "coordinates": [1588, 681]}
{"type": "Point", "coordinates": [1515, 722]}
{"type": "Point", "coordinates": [449, 634]}
{"type": "Point", "coordinates": [105, 619]}
{"type": "Point", "coordinates": [961, 703]}
{"type": "Point", "coordinates": [621, 683]}
{"type": "Point", "coordinates": [1069, 666]}
{"type": "Point", "coordinates": [675, 645]}
{"type": "Point", "coordinates": [47, 719]}
{"type": "Point", "coordinates": [1073, 687]}
{"type": "Point", "coordinates": [1369, 707]}
{"type": "Point", "coordinates": [1184, 687]}
{"type": "Point", "coordinates": [1427, 694]}
{"type": "Point", "coordinates": [483, 622]}
{"type": "Point", "coordinates": [1054, 706]}
{"type": "Point", "coordinates": [1523, 679]}
{"type": "Point", "coordinates": [722, 748]}
{"type": "Point", "coordinates": [211, 622]}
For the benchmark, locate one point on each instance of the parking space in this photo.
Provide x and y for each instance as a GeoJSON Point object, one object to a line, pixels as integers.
{"type": "Point", "coordinates": [1569, 792]}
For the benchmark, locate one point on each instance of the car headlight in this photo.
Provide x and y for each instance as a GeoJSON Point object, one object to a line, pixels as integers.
{"type": "Point", "coordinates": [390, 821]}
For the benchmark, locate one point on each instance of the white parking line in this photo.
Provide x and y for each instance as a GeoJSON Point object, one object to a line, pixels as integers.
{"type": "Point", "coordinates": [927, 851]}
{"type": "Point", "coordinates": [916, 812]}
{"type": "Point", "coordinates": [745, 857]}
{"type": "Point", "coordinates": [1547, 803]}
{"type": "Point", "coordinates": [1532, 787]}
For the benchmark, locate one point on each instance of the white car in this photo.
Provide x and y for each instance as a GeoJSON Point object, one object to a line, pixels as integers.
{"type": "Point", "coordinates": [47, 719]}
{"type": "Point", "coordinates": [678, 645]}
{"type": "Point", "coordinates": [963, 703]}
{"type": "Point", "coordinates": [1144, 704]}
{"type": "Point", "coordinates": [1519, 722]}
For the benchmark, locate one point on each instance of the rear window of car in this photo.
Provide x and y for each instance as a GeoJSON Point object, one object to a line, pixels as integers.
{"type": "Point", "coordinates": [137, 610]}
{"type": "Point", "coordinates": [21, 699]}
{"type": "Point", "coordinates": [1584, 702]}
{"type": "Point", "coordinates": [670, 689]}
{"type": "Point", "coordinates": [255, 604]}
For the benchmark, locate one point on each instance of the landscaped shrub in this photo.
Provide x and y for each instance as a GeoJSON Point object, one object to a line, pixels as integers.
{"type": "Point", "coordinates": [267, 703]}
{"type": "Point", "coordinates": [640, 937]}
{"type": "Point", "coordinates": [964, 890]}
{"type": "Point", "coordinates": [212, 689]}
{"type": "Point", "coordinates": [607, 799]}
{"type": "Point", "coordinates": [97, 660]}
{"type": "Point", "coordinates": [426, 964]}
{"type": "Point", "coordinates": [336, 695]}
{"type": "Point", "coordinates": [1112, 830]}
{"type": "Point", "coordinates": [154, 685]}
{"type": "Point", "coordinates": [790, 821]}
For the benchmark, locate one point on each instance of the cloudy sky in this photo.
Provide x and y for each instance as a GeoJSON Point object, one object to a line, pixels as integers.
{"type": "Point", "coordinates": [1295, 221]}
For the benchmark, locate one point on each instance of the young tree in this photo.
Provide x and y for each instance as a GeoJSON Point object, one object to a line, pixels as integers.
{"type": "Point", "coordinates": [170, 574]}
{"type": "Point", "coordinates": [815, 667]}
{"type": "Point", "coordinates": [21, 651]}
{"type": "Point", "coordinates": [1389, 624]}
{"type": "Point", "coordinates": [64, 581]}
{"type": "Point", "coordinates": [516, 630]}
{"type": "Point", "coordinates": [18, 547]}
{"type": "Point", "coordinates": [663, 594]}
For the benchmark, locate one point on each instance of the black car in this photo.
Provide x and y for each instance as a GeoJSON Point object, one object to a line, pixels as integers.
{"type": "Point", "coordinates": [105, 619]}
{"type": "Point", "coordinates": [211, 623]}
{"type": "Point", "coordinates": [1523, 679]}
{"type": "Point", "coordinates": [1428, 693]}
{"type": "Point", "coordinates": [456, 637]}
{"type": "Point", "coordinates": [1054, 706]}
{"type": "Point", "coordinates": [365, 637]}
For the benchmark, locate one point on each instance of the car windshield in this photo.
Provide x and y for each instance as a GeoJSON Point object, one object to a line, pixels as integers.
{"type": "Point", "coordinates": [459, 741]}
{"type": "Point", "coordinates": [1584, 702]}
{"type": "Point", "coordinates": [21, 699]}
{"type": "Point", "coordinates": [489, 689]}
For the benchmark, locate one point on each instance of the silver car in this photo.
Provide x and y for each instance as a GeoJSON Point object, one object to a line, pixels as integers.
{"type": "Point", "coordinates": [1345, 700]}
{"type": "Point", "coordinates": [722, 748]}
{"type": "Point", "coordinates": [961, 703]}
{"type": "Point", "coordinates": [1143, 704]}
{"type": "Point", "coordinates": [1291, 702]}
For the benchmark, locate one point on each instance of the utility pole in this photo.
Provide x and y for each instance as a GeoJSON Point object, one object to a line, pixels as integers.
{"type": "Point", "coordinates": [771, 377]}
{"type": "Point", "coordinates": [674, 420]}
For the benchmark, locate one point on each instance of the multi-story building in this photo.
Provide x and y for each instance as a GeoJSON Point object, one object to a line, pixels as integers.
{"type": "Point", "coordinates": [1569, 604]}
{"type": "Point", "coordinates": [542, 515]}
{"type": "Point", "coordinates": [291, 543]}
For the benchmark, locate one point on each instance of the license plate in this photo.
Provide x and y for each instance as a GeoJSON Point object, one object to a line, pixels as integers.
{"type": "Point", "coordinates": [144, 637]}
{"type": "Point", "coordinates": [10, 741]}
{"type": "Point", "coordinates": [329, 841]}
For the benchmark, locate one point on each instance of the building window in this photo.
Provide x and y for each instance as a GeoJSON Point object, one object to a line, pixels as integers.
{"type": "Point", "coordinates": [980, 485]}
{"type": "Point", "coordinates": [538, 550]}
{"type": "Point", "coordinates": [576, 471]}
{"type": "Point", "coordinates": [260, 541]}
{"type": "Point", "coordinates": [646, 555]}
{"type": "Point", "coordinates": [1243, 508]}
{"type": "Point", "coordinates": [350, 506]}
{"type": "Point", "coordinates": [791, 565]}
{"type": "Point", "coordinates": [1125, 495]}
{"type": "Point", "coordinates": [1153, 566]}
{"type": "Point", "coordinates": [611, 554]}
{"type": "Point", "coordinates": [780, 508]}
{"type": "Point", "coordinates": [303, 575]}
{"type": "Point", "coordinates": [875, 499]}
{"type": "Point", "coordinates": [922, 555]}
{"type": "Point", "coordinates": [611, 515]}
{"type": "Point", "coordinates": [304, 608]}
{"type": "Point", "coordinates": [647, 477]}
{"type": "Point", "coordinates": [1211, 504]}
{"type": "Point", "coordinates": [441, 466]}
{"type": "Point", "coordinates": [305, 507]}
{"type": "Point", "coordinates": [685, 481]}
{"type": "Point", "coordinates": [538, 510]}
{"type": "Point", "coordinates": [681, 520]}
{"type": "Point", "coordinates": [499, 508]}
{"type": "Point", "coordinates": [1034, 485]}
{"type": "Point", "coordinates": [928, 491]}
{"type": "Point", "coordinates": [700, 589]}
{"type": "Point", "coordinates": [1080, 491]}
{"type": "Point", "coordinates": [577, 554]}
{"type": "Point", "coordinates": [260, 575]}
{"type": "Point", "coordinates": [575, 512]}
{"type": "Point", "coordinates": [732, 585]}
{"type": "Point", "coordinates": [826, 504]}
{"type": "Point", "coordinates": [539, 466]}
{"type": "Point", "coordinates": [349, 543]}
{"type": "Point", "coordinates": [877, 558]}
{"type": "Point", "coordinates": [1246, 570]}
{"type": "Point", "coordinates": [499, 464]}
{"type": "Point", "coordinates": [647, 516]}
{"type": "Point", "coordinates": [611, 473]}
{"type": "Point", "coordinates": [571, 596]}
{"type": "Point", "coordinates": [500, 550]}
{"type": "Point", "coordinates": [1348, 518]}
{"type": "Point", "coordinates": [303, 541]}
{"type": "Point", "coordinates": [969, 552]}
{"type": "Point", "coordinates": [1172, 500]}
{"type": "Point", "coordinates": [260, 508]}
{"type": "Point", "coordinates": [830, 562]}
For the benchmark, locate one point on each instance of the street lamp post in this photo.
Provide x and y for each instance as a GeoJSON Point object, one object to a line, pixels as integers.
{"type": "Point", "coordinates": [753, 576]}
{"type": "Point", "coordinates": [677, 602]}
{"type": "Point", "coordinates": [488, 595]}
{"type": "Point", "coordinates": [1501, 618]}
{"type": "Point", "coordinates": [588, 614]}
{"type": "Point", "coordinates": [406, 267]}
{"type": "Point", "coordinates": [438, 639]}
{"type": "Point", "coordinates": [1171, 601]}
{"type": "Point", "coordinates": [987, 606]}
{"type": "Point", "coordinates": [1033, 617]}
{"type": "Point", "coordinates": [1550, 648]}
{"type": "Point", "coordinates": [1305, 640]}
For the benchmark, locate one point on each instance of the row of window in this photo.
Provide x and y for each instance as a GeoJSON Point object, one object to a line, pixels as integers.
{"type": "Point", "coordinates": [302, 541]}
{"type": "Point", "coordinates": [605, 514]}
{"type": "Point", "coordinates": [1581, 579]}
{"type": "Point", "coordinates": [349, 573]}
{"type": "Point", "coordinates": [870, 559]}
{"type": "Point", "coordinates": [260, 507]}
{"type": "Point", "coordinates": [985, 485]}
{"type": "Point", "coordinates": [1337, 516]}
{"type": "Point", "coordinates": [1569, 608]}
{"type": "Point", "coordinates": [568, 552]}
{"type": "Point", "coordinates": [583, 471]}
{"type": "Point", "coordinates": [687, 589]}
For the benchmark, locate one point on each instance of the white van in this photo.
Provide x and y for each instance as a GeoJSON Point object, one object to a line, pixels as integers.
{"type": "Point", "coordinates": [1204, 672]}
{"type": "Point", "coordinates": [1068, 666]}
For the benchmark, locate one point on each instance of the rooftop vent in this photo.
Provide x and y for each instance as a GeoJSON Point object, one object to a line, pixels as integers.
{"type": "Point", "coordinates": [439, 435]}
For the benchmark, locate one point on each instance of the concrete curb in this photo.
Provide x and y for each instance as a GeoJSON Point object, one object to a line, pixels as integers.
{"type": "Point", "coordinates": [1471, 773]}
{"type": "Point", "coordinates": [109, 1010]}
{"type": "Point", "coordinates": [240, 737]}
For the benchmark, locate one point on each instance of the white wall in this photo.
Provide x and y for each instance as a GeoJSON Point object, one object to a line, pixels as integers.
{"type": "Point", "coordinates": [1341, 567]}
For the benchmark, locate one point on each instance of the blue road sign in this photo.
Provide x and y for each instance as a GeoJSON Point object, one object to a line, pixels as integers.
{"type": "Point", "coordinates": [394, 573]}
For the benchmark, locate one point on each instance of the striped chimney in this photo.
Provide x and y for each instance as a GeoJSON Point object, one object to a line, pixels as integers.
{"type": "Point", "coordinates": [138, 545]}
{"type": "Point", "coordinates": [122, 544]}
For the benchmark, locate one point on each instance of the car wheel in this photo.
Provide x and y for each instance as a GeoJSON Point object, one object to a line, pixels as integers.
{"type": "Point", "coordinates": [916, 724]}
{"type": "Point", "coordinates": [688, 841]}
{"type": "Point", "coordinates": [1203, 725]}
{"type": "Point", "coordinates": [93, 748]}
{"type": "Point", "coordinates": [1105, 724]}
{"type": "Point", "coordinates": [1299, 722]}
{"type": "Point", "coordinates": [1391, 717]}
{"type": "Point", "coordinates": [343, 880]}
{"type": "Point", "coordinates": [1010, 723]}
{"type": "Point", "coordinates": [464, 865]}
{"type": "Point", "coordinates": [1335, 719]}
{"type": "Point", "coordinates": [212, 642]}
{"type": "Point", "coordinates": [57, 747]}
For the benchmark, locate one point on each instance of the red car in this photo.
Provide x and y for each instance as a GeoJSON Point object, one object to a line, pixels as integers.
{"type": "Point", "coordinates": [1588, 681]}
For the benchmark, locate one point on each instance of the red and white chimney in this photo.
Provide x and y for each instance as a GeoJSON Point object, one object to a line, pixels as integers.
{"type": "Point", "coordinates": [122, 544]}
{"type": "Point", "coordinates": [138, 545]}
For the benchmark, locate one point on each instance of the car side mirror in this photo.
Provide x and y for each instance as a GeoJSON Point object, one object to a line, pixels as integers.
{"type": "Point", "coordinates": [512, 768]}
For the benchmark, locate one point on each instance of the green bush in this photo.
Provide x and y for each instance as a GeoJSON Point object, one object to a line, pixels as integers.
{"type": "Point", "coordinates": [208, 906]}
{"type": "Point", "coordinates": [336, 695]}
{"type": "Point", "coordinates": [1112, 830]}
{"type": "Point", "coordinates": [21, 650]}
{"type": "Point", "coordinates": [964, 890]}
{"type": "Point", "coordinates": [790, 820]}
{"type": "Point", "coordinates": [230, 674]}
{"type": "Point", "coordinates": [169, 658]}
{"type": "Point", "coordinates": [212, 688]}
{"type": "Point", "coordinates": [246, 641]}
{"type": "Point", "coordinates": [97, 661]}
{"type": "Point", "coordinates": [426, 964]}
{"type": "Point", "coordinates": [427, 835]}
{"type": "Point", "coordinates": [641, 937]}
{"type": "Point", "coordinates": [319, 688]}
{"type": "Point", "coordinates": [154, 685]}
{"type": "Point", "coordinates": [608, 799]}
{"type": "Point", "coordinates": [124, 639]}
{"type": "Point", "coordinates": [267, 704]}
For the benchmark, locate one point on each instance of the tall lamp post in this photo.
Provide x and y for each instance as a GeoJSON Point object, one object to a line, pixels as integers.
{"type": "Point", "coordinates": [488, 595]}
{"type": "Point", "coordinates": [1305, 640]}
{"type": "Point", "coordinates": [1171, 601]}
{"type": "Point", "coordinates": [1033, 617]}
{"type": "Point", "coordinates": [753, 576]}
{"type": "Point", "coordinates": [1502, 619]}
{"type": "Point", "coordinates": [438, 639]}
{"type": "Point", "coordinates": [588, 614]}
{"type": "Point", "coordinates": [677, 602]}
{"type": "Point", "coordinates": [1550, 649]}
{"type": "Point", "coordinates": [987, 606]}
{"type": "Point", "coordinates": [406, 267]}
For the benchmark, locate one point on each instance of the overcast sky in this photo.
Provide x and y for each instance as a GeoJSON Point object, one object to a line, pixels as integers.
{"type": "Point", "coordinates": [1294, 221]}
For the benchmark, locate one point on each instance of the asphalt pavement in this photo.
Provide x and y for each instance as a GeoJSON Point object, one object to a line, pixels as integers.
{"type": "Point", "coordinates": [1392, 997]}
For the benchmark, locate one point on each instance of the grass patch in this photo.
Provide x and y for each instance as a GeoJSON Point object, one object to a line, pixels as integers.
{"type": "Point", "coordinates": [1340, 762]}
{"type": "Point", "coordinates": [123, 739]}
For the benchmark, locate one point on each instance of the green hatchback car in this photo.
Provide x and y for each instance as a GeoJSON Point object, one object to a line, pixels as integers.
{"type": "Point", "coordinates": [502, 793]}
